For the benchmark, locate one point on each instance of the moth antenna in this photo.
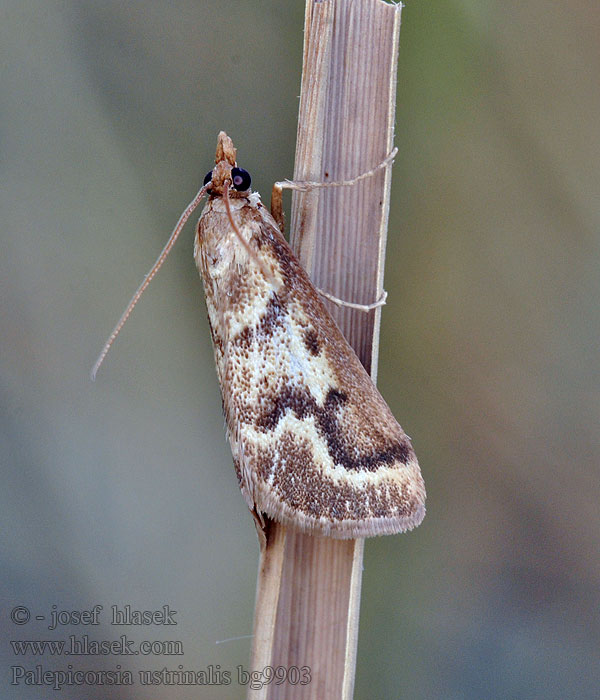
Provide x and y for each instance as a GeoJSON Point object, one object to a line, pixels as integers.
{"type": "Point", "coordinates": [148, 278]}
{"type": "Point", "coordinates": [307, 185]}
{"type": "Point", "coordinates": [351, 305]}
{"type": "Point", "coordinates": [267, 273]}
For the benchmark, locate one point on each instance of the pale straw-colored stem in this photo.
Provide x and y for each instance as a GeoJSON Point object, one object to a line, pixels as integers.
{"type": "Point", "coordinates": [308, 590]}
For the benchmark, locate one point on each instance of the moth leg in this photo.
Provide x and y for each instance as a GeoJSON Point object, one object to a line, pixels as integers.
{"type": "Point", "coordinates": [351, 305]}
{"type": "Point", "coordinates": [277, 206]}
{"type": "Point", "coordinates": [261, 527]}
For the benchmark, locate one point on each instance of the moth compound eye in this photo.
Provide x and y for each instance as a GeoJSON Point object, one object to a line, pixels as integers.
{"type": "Point", "coordinates": [241, 179]}
{"type": "Point", "coordinates": [207, 178]}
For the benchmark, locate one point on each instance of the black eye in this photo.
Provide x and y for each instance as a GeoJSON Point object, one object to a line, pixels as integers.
{"type": "Point", "coordinates": [207, 178]}
{"type": "Point", "coordinates": [241, 179]}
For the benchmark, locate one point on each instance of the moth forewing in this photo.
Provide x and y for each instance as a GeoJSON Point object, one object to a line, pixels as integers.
{"type": "Point", "coordinates": [314, 443]}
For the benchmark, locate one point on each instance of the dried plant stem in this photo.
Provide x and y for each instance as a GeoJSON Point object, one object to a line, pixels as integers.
{"type": "Point", "coordinates": [308, 591]}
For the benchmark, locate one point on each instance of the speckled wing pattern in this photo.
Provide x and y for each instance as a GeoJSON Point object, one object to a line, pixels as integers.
{"type": "Point", "coordinates": [314, 443]}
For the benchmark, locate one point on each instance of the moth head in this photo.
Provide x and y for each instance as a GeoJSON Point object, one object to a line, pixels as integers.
{"type": "Point", "coordinates": [226, 171]}
{"type": "Point", "coordinates": [225, 180]}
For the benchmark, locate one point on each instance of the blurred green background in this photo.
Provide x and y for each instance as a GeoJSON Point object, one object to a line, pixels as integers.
{"type": "Point", "coordinates": [122, 492]}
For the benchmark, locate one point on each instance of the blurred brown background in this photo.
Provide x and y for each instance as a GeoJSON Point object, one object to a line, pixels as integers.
{"type": "Point", "coordinates": [122, 492]}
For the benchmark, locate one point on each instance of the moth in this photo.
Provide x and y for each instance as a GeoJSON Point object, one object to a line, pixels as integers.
{"type": "Point", "coordinates": [314, 444]}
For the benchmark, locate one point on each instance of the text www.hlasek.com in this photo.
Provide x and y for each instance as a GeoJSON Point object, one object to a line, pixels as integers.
{"type": "Point", "coordinates": [84, 646]}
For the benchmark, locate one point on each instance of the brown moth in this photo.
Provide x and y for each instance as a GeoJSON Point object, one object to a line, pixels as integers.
{"type": "Point", "coordinates": [314, 444]}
